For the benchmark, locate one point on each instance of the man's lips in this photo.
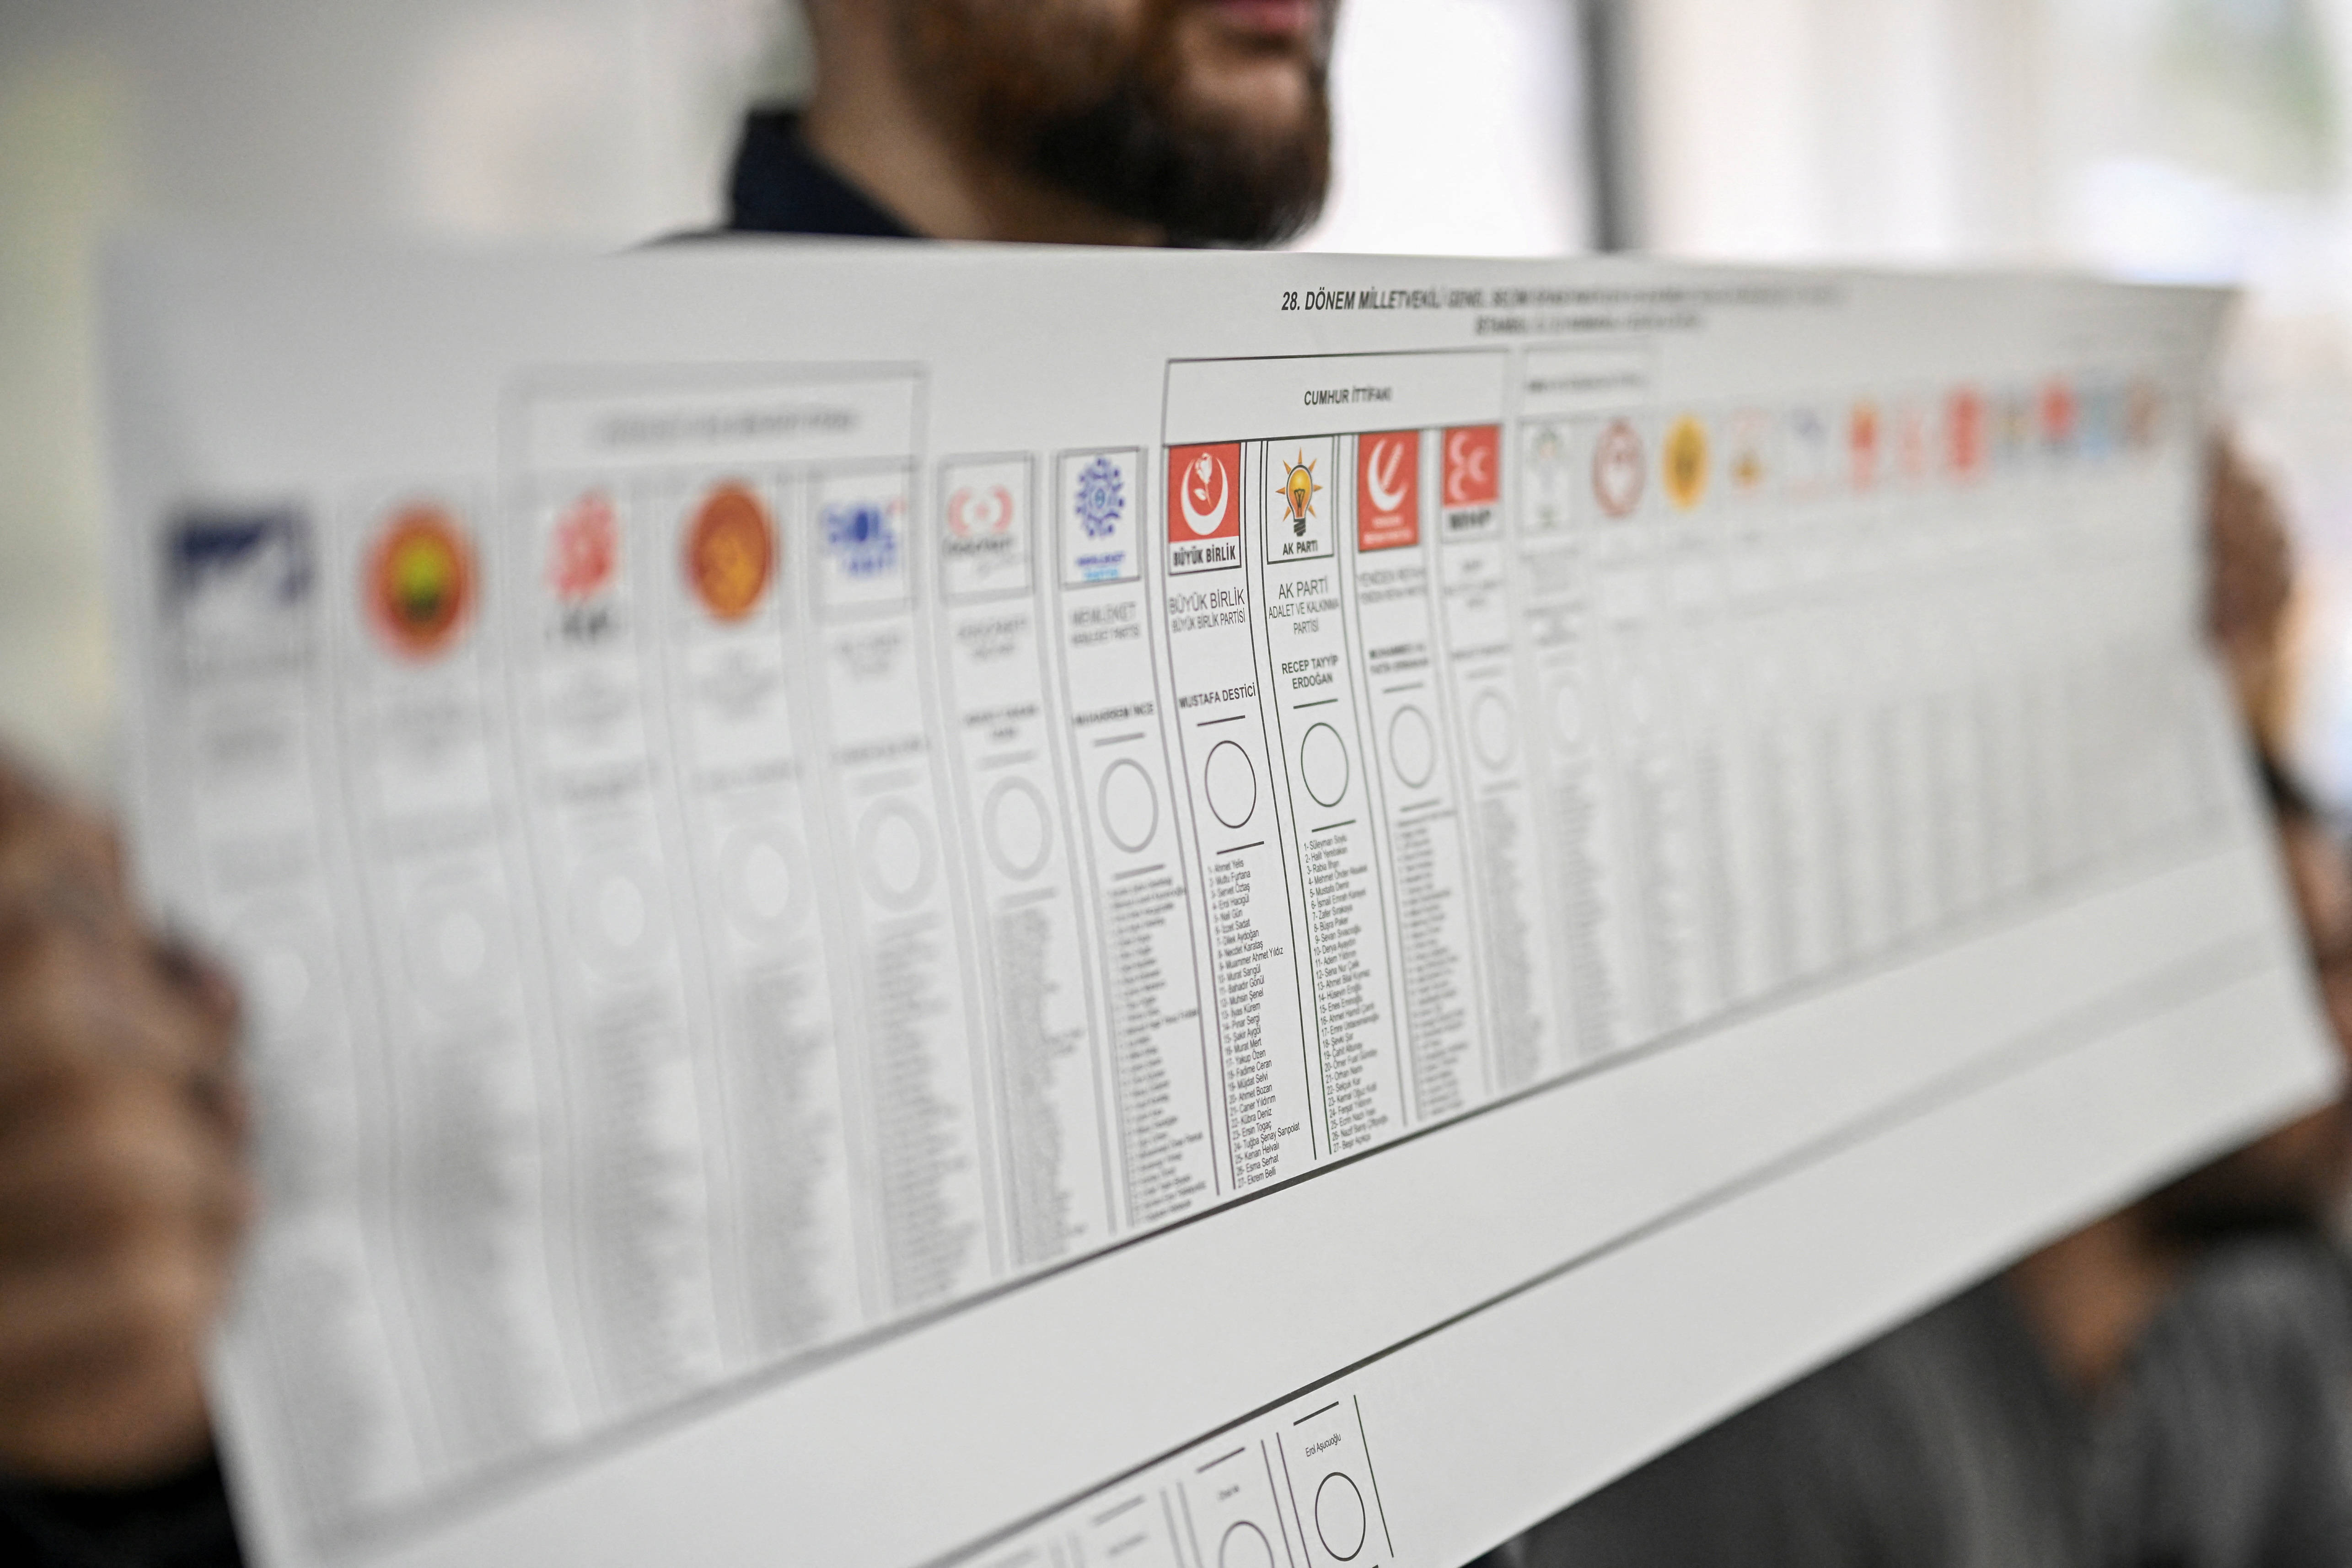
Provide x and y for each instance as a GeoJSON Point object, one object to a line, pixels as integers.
{"type": "Point", "coordinates": [1269, 18]}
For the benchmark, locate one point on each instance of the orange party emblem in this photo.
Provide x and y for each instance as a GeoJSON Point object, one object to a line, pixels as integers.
{"type": "Point", "coordinates": [730, 551]}
{"type": "Point", "coordinates": [420, 582]}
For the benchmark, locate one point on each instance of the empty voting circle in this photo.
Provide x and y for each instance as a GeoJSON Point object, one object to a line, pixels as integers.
{"type": "Point", "coordinates": [894, 845]}
{"type": "Point", "coordinates": [1244, 1546]}
{"type": "Point", "coordinates": [1131, 806]}
{"type": "Point", "coordinates": [762, 879]}
{"type": "Point", "coordinates": [1412, 748]}
{"type": "Point", "coordinates": [455, 945]}
{"type": "Point", "coordinates": [1231, 781]}
{"type": "Point", "coordinates": [1493, 730]}
{"type": "Point", "coordinates": [1015, 819]}
{"type": "Point", "coordinates": [1567, 716]}
{"type": "Point", "coordinates": [284, 965]}
{"type": "Point", "coordinates": [1323, 764]}
{"type": "Point", "coordinates": [1340, 1516]}
{"type": "Point", "coordinates": [616, 915]}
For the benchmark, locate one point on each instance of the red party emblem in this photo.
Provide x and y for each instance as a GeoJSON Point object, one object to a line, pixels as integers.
{"type": "Point", "coordinates": [2057, 411]}
{"type": "Point", "coordinates": [586, 550]}
{"type": "Point", "coordinates": [980, 511]}
{"type": "Point", "coordinates": [1966, 446]}
{"type": "Point", "coordinates": [1862, 444]}
{"type": "Point", "coordinates": [1204, 483]}
{"type": "Point", "coordinates": [1388, 490]}
{"type": "Point", "coordinates": [1474, 465]}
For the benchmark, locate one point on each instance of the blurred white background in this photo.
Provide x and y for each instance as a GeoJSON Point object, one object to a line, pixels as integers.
{"type": "Point", "coordinates": [2182, 140]}
{"type": "Point", "coordinates": [2204, 138]}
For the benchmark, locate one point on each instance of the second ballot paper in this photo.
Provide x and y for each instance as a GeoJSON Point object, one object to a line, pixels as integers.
{"type": "Point", "coordinates": [908, 905]}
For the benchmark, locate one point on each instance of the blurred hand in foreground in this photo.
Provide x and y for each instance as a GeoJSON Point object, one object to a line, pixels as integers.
{"type": "Point", "coordinates": [123, 1189]}
{"type": "Point", "coordinates": [2251, 580]}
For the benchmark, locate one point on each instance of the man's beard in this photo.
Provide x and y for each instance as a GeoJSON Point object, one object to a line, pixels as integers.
{"type": "Point", "coordinates": [1100, 112]}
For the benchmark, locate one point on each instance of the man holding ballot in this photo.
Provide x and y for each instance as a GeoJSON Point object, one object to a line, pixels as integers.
{"type": "Point", "coordinates": [124, 1178]}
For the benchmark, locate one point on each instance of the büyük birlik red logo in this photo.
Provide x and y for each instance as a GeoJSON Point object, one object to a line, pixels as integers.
{"type": "Point", "coordinates": [1204, 507]}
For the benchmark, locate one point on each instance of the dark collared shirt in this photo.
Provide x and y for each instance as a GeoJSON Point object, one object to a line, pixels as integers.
{"type": "Point", "coordinates": [778, 186]}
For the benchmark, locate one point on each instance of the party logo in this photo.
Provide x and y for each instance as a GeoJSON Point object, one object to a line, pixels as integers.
{"type": "Point", "coordinates": [980, 511]}
{"type": "Point", "coordinates": [1204, 492]}
{"type": "Point", "coordinates": [2056, 413]}
{"type": "Point", "coordinates": [984, 540]}
{"type": "Point", "coordinates": [1101, 499]}
{"type": "Point", "coordinates": [862, 533]}
{"type": "Point", "coordinates": [584, 552]}
{"type": "Point", "coordinates": [1968, 445]}
{"type": "Point", "coordinates": [1101, 516]}
{"type": "Point", "coordinates": [1619, 467]}
{"type": "Point", "coordinates": [584, 561]}
{"type": "Point", "coordinates": [1748, 462]}
{"type": "Point", "coordinates": [232, 568]}
{"type": "Point", "coordinates": [1685, 461]}
{"type": "Point", "coordinates": [1474, 466]}
{"type": "Point", "coordinates": [1388, 490]}
{"type": "Point", "coordinates": [419, 582]}
{"type": "Point", "coordinates": [1811, 451]}
{"type": "Point", "coordinates": [1915, 440]}
{"type": "Point", "coordinates": [1547, 488]}
{"type": "Point", "coordinates": [1298, 492]}
{"type": "Point", "coordinates": [1865, 445]}
{"type": "Point", "coordinates": [730, 551]}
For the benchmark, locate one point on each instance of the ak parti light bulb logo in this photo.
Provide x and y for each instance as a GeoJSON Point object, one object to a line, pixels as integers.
{"type": "Point", "coordinates": [1299, 491]}
{"type": "Point", "coordinates": [1388, 490]}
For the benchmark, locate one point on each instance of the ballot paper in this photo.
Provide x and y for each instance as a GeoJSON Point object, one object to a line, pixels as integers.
{"type": "Point", "coordinates": [1066, 909]}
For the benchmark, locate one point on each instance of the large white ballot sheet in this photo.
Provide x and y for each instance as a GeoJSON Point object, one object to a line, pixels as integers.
{"type": "Point", "coordinates": [1059, 910]}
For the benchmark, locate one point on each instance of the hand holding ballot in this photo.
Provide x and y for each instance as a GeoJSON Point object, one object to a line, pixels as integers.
{"type": "Point", "coordinates": [122, 1182]}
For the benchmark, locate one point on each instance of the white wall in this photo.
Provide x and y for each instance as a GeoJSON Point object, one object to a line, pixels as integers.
{"type": "Point", "coordinates": [1458, 129]}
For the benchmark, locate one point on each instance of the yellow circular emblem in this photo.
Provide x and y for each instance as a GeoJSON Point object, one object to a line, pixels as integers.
{"type": "Point", "coordinates": [1685, 461]}
{"type": "Point", "coordinates": [1299, 491]}
{"type": "Point", "coordinates": [420, 582]}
